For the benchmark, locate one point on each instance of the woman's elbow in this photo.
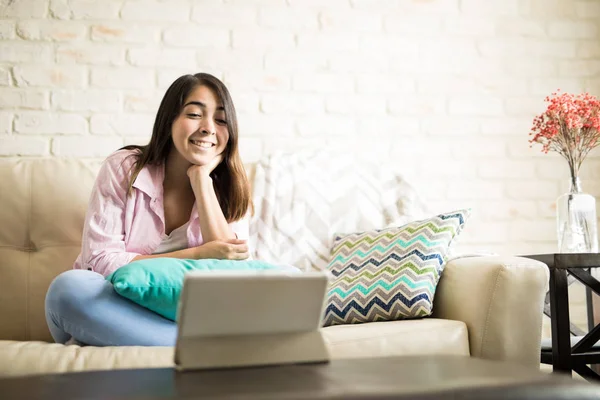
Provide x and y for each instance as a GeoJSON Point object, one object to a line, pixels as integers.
{"type": "Point", "coordinates": [106, 262]}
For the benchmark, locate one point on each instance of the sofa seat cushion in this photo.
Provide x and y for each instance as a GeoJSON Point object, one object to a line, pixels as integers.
{"type": "Point", "coordinates": [411, 337]}
{"type": "Point", "coordinates": [35, 357]}
{"type": "Point", "coordinates": [398, 338]}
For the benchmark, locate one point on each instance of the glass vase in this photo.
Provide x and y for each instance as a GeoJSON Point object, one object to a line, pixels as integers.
{"type": "Point", "coordinates": [576, 220]}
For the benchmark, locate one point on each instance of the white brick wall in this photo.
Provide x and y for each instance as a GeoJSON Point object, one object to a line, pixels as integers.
{"type": "Point", "coordinates": [36, 122]}
{"type": "Point", "coordinates": [444, 89]}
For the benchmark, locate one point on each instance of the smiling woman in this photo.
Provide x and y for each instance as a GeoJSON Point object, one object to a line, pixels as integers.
{"type": "Point", "coordinates": [183, 195]}
{"type": "Point", "coordinates": [196, 132]}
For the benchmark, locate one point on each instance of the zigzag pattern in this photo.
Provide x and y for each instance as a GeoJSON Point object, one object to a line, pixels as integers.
{"type": "Point", "coordinates": [390, 274]}
{"type": "Point", "coordinates": [365, 278]}
{"type": "Point", "coordinates": [414, 254]}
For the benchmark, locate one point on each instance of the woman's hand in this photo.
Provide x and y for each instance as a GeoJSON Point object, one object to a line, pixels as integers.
{"type": "Point", "coordinates": [196, 172]}
{"type": "Point", "coordinates": [230, 249]}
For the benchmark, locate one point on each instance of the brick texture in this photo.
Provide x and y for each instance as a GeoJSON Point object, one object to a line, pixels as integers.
{"type": "Point", "coordinates": [445, 90]}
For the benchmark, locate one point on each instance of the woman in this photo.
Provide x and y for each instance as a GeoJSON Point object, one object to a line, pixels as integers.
{"type": "Point", "coordinates": [183, 195]}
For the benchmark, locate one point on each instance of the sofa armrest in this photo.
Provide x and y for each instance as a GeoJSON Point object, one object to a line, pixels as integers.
{"type": "Point", "coordinates": [501, 300]}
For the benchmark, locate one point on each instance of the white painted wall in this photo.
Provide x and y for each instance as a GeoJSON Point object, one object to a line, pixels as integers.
{"type": "Point", "coordinates": [446, 89]}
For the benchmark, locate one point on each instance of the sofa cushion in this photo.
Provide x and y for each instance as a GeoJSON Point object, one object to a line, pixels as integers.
{"type": "Point", "coordinates": [390, 274]}
{"type": "Point", "coordinates": [40, 236]}
{"type": "Point", "coordinates": [36, 357]}
{"type": "Point", "coordinates": [380, 339]}
{"type": "Point", "coordinates": [398, 338]}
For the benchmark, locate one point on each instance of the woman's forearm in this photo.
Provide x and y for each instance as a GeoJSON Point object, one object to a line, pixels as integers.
{"type": "Point", "coordinates": [213, 224]}
{"type": "Point", "coordinates": [191, 253]}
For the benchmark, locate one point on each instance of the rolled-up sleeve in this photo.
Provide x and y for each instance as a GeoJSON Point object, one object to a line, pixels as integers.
{"type": "Point", "coordinates": [103, 247]}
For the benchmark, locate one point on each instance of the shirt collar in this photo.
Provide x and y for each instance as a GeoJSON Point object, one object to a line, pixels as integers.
{"type": "Point", "coordinates": [150, 180]}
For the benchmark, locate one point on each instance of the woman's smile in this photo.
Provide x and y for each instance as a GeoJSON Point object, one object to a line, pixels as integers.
{"type": "Point", "coordinates": [202, 144]}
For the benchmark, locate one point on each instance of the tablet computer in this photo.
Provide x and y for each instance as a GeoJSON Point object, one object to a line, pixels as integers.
{"type": "Point", "coordinates": [249, 317]}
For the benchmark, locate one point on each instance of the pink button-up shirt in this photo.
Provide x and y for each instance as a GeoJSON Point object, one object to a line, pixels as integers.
{"type": "Point", "coordinates": [118, 227]}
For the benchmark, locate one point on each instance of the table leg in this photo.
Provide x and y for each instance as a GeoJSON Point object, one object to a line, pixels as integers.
{"type": "Point", "coordinates": [559, 305]}
{"type": "Point", "coordinates": [589, 298]}
{"type": "Point", "coordinates": [593, 312]}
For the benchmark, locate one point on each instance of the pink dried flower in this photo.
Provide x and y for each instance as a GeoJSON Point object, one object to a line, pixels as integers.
{"type": "Point", "coordinates": [570, 126]}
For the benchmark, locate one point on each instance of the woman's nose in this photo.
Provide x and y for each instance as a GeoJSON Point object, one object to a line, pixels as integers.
{"type": "Point", "coordinates": [207, 126]}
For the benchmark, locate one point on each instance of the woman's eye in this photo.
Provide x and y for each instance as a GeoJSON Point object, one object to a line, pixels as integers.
{"type": "Point", "coordinates": [222, 121]}
{"type": "Point", "coordinates": [194, 115]}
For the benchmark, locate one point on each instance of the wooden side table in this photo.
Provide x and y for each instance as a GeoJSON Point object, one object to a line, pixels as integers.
{"type": "Point", "coordinates": [565, 358]}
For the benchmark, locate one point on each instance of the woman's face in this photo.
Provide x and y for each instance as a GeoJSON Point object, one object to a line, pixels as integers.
{"type": "Point", "coordinates": [200, 131]}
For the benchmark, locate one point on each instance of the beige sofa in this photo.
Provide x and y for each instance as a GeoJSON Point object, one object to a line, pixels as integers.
{"type": "Point", "coordinates": [489, 307]}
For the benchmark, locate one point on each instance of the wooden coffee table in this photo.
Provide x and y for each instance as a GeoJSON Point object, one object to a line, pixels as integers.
{"type": "Point", "coordinates": [426, 377]}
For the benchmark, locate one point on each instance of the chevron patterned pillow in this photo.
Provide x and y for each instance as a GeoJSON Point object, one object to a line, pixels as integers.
{"type": "Point", "coordinates": [390, 274]}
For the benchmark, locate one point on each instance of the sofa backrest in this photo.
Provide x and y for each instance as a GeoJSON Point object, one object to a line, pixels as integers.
{"type": "Point", "coordinates": [42, 208]}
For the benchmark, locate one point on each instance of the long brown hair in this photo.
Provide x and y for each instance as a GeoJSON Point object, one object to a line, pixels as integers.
{"type": "Point", "coordinates": [229, 177]}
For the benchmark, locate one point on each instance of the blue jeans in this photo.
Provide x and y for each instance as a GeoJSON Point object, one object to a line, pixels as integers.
{"type": "Point", "coordinates": [84, 306]}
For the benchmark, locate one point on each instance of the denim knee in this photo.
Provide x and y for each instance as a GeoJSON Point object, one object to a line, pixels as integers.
{"type": "Point", "coordinates": [66, 289]}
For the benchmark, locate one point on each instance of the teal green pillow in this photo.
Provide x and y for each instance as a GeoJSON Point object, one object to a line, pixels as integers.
{"type": "Point", "coordinates": [156, 283]}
